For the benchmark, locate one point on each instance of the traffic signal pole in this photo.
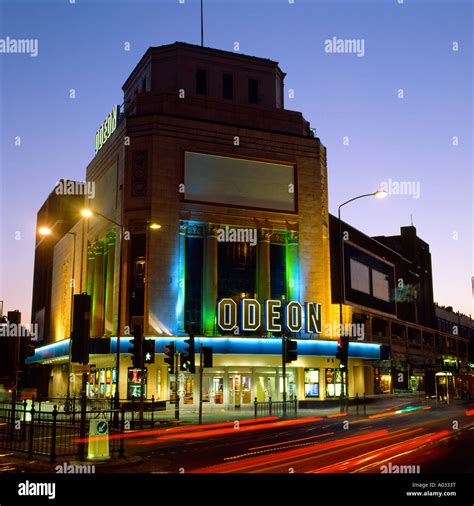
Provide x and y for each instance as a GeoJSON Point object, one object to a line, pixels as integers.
{"type": "Point", "coordinates": [15, 317]}
{"type": "Point", "coordinates": [176, 386]}
{"type": "Point", "coordinates": [283, 354]}
{"type": "Point", "coordinates": [201, 369]}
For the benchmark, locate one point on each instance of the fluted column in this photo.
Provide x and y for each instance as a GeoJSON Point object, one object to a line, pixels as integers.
{"type": "Point", "coordinates": [263, 265]}
{"type": "Point", "coordinates": [209, 292]}
{"type": "Point", "coordinates": [90, 269]}
{"type": "Point", "coordinates": [292, 266]}
{"type": "Point", "coordinates": [182, 278]}
{"type": "Point", "coordinates": [99, 292]}
{"type": "Point", "coordinates": [109, 286]}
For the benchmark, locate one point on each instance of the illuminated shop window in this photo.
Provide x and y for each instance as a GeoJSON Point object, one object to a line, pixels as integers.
{"type": "Point", "coordinates": [311, 382]}
{"type": "Point", "coordinates": [134, 382]}
{"type": "Point", "coordinates": [101, 383]}
{"type": "Point", "coordinates": [189, 390]}
{"type": "Point", "coordinates": [333, 382]}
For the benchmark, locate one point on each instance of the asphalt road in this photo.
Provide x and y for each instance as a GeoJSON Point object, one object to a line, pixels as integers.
{"type": "Point", "coordinates": [437, 439]}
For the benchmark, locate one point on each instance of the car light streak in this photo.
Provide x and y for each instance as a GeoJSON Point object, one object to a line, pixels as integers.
{"type": "Point", "coordinates": [252, 462]}
{"type": "Point", "coordinates": [403, 447]}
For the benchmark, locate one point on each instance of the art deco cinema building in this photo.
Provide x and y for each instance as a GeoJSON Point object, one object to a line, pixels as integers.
{"type": "Point", "coordinates": [205, 148]}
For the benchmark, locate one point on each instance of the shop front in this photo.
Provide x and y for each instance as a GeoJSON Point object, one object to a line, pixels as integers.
{"type": "Point", "coordinates": [244, 370]}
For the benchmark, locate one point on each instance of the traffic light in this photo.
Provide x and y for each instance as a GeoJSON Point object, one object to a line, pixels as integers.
{"type": "Point", "coordinates": [27, 348]}
{"type": "Point", "coordinates": [149, 351]}
{"type": "Point", "coordinates": [169, 357]}
{"type": "Point", "coordinates": [81, 325]}
{"type": "Point", "coordinates": [291, 353]}
{"type": "Point", "coordinates": [7, 354]}
{"type": "Point", "coordinates": [137, 347]}
{"type": "Point", "coordinates": [342, 352]}
{"type": "Point", "coordinates": [207, 356]}
{"type": "Point", "coordinates": [187, 362]}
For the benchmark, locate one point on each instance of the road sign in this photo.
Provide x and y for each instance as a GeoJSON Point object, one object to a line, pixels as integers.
{"type": "Point", "coordinates": [98, 439]}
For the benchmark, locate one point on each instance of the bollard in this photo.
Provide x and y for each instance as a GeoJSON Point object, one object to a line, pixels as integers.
{"type": "Point", "coordinates": [255, 406]}
{"type": "Point", "coordinates": [270, 405]}
{"type": "Point", "coordinates": [357, 403]}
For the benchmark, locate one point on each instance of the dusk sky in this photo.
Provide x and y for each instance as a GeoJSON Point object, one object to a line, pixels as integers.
{"type": "Point", "coordinates": [407, 46]}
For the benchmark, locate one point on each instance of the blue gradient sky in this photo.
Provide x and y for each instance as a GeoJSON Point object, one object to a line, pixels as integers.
{"type": "Point", "coordinates": [407, 46]}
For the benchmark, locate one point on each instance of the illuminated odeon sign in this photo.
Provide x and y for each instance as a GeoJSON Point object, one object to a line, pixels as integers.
{"type": "Point", "coordinates": [275, 315]}
{"type": "Point", "coordinates": [107, 128]}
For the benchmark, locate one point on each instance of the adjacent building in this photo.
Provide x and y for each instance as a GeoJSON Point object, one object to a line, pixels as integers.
{"type": "Point", "coordinates": [388, 288]}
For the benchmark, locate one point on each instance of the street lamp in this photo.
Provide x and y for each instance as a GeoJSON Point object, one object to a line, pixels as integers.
{"type": "Point", "coordinates": [46, 231]}
{"type": "Point", "coordinates": [88, 213]}
{"type": "Point", "coordinates": [380, 194]}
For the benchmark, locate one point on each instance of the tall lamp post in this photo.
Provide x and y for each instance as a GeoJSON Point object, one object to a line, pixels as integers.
{"type": "Point", "coordinates": [380, 194]}
{"type": "Point", "coordinates": [88, 213]}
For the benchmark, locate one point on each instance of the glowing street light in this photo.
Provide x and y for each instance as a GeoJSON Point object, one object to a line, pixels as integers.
{"type": "Point", "coordinates": [87, 213]}
{"type": "Point", "coordinates": [380, 194]}
{"type": "Point", "coordinates": [155, 226]}
{"type": "Point", "coordinates": [45, 231]}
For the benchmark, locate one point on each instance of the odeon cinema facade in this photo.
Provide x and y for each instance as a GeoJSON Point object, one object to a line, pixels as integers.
{"type": "Point", "coordinates": [222, 193]}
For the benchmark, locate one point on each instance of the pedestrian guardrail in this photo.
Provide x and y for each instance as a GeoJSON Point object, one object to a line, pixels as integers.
{"type": "Point", "coordinates": [276, 408]}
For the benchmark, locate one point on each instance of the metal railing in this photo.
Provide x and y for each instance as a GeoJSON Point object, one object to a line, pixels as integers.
{"type": "Point", "coordinates": [51, 427]}
{"type": "Point", "coordinates": [276, 408]}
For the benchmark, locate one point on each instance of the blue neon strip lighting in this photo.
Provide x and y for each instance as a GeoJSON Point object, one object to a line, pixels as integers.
{"type": "Point", "coordinates": [226, 346]}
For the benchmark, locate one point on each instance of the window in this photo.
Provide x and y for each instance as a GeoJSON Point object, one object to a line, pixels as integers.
{"type": "Point", "coordinates": [360, 277]}
{"type": "Point", "coordinates": [380, 285]}
{"type": "Point", "coordinates": [228, 86]}
{"type": "Point", "coordinates": [144, 85]}
{"type": "Point", "coordinates": [311, 382]}
{"type": "Point", "coordinates": [201, 82]}
{"type": "Point", "coordinates": [253, 91]}
{"type": "Point", "coordinates": [193, 283]}
{"type": "Point", "coordinates": [236, 269]}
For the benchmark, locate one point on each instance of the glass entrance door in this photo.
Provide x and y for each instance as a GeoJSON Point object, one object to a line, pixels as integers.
{"type": "Point", "coordinates": [240, 392]}
{"type": "Point", "coordinates": [213, 389]}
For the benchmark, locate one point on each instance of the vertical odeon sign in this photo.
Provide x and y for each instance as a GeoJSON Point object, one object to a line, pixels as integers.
{"type": "Point", "coordinates": [107, 128]}
{"type": "Point", "coordinates": [250, 316]}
